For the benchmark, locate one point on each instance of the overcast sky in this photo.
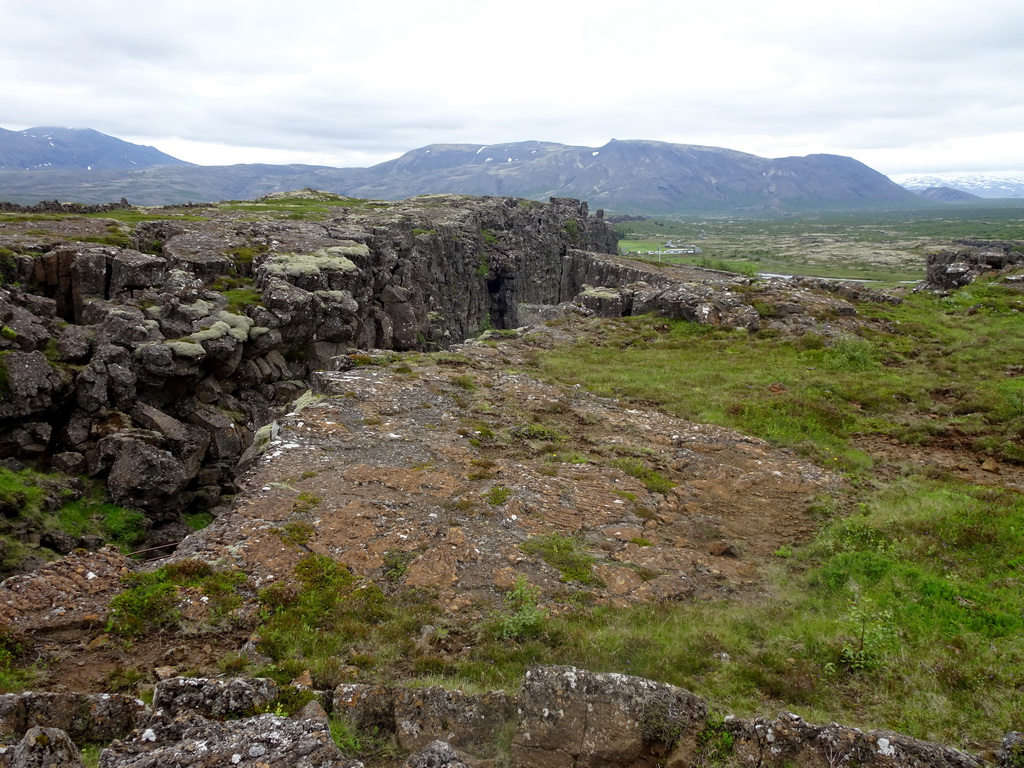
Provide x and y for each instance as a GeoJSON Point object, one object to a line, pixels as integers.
{"type": "Point", "coordinates": [906, 86]}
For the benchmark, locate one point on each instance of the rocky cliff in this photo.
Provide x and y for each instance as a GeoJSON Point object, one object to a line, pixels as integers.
{"type": "Point", "coordinates": [152, 361]}
{"type": "Point", "coordinates": [149, 353]}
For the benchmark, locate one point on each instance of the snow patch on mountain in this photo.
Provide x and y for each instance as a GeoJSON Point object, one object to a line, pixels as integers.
{"type": "Point", "coordinates": [983, 184]}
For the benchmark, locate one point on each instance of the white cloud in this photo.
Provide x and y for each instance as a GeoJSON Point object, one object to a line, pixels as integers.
{"type": "Point", "coordinates": [904, 85]}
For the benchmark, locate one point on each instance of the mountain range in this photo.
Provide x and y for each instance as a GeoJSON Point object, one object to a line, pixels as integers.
{"type": "Point", "coordinates": [74, 149]}
{"type": "Point", "coordinates": [633, 176]}
{"type": "Point", "coordinates": [985, 185]}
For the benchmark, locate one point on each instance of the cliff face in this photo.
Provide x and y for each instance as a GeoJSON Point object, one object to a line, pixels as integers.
{"type": "Point", "coordinates": [153, 365]}
{"type": "Point", "coordinates": [148, 355]}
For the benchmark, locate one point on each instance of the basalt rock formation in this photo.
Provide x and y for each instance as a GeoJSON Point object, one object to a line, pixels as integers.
{"type": "Point", "coordinates": [561, 716]}
{"type": "Point", "coordinates": [950, 269]}
{"type": "Point", "coordinates": [136, 365]}
{"type": "Point", "coordinates": [149, 356]}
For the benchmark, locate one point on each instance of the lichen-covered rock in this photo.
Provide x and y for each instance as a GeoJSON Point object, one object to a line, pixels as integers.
{"type": "Point", "coordinates": [370, 708]}
{"type": "Point", "coordinates": [84, 717]}
{"type": "Point", "coordinates": [1011, 751]}
{"type": "Point", "coordinates": [191, 741]}
{"type": "Point", "coordinates": [572, 717]}
{"type": "Point", "coordinates": [439, 754]}
{"type": "Point", "coordinates": [789, 740]}
{"type": "Point", "coordinates": [207, 697]}
{"type": "Point", "coordinates": [28, 384]}
{"type": "Point", "coordinates": [949, 269]}
{"type": "Point", "coordinates": [424, 715]}
{"type": "Point", "coordinates": [42, 748]}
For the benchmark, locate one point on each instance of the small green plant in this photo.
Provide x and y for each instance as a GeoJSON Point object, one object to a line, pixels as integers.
{"type": "Point", "coordinates": [537, 432]}
{"type": "Point", "coordinates": [147, 605]}
{"type": "Point", "coordinates": [464, 381]}
{"type": "Point", "coordinates": [498, 495]}
{"type": "Point", "coordinates": [566, 554]}
{"type": "Point", "coordinates": [91, 755]}
{"type": "Point", "coordinates": [306, 502]}
{"type": "Point", "coordinates": [714, 744]}
{"type": "Point", "coordinates": [122, 679]}
{"type": "Point", "coordinates": [289, 701]}
{"type": "Point", "coordinates": [346, 737]}
{"type": "Point", "coordinates": [851, 353]}
{"type": "Point", "coordinates": [296, 533]}
{"type": "Point", "coordinates": [521, 617]}
{"type": "Point", "coordinates": [572, 228]}
{"type": "Point", "coordinates": [873, 636]}
{"type": "Point", "coordinates": [8, 333]}
{"type": "Point", "coordinates": [652, 479]}
{"type": "Point", "coordinates": [396, 563]}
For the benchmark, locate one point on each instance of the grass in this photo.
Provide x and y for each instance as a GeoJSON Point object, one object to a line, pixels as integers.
{"type": "Point", "coordinates": [566, 554]}
{"type": "Point", "coordinates": [906, 610]}
{"type": "Point", "coordinates": [41, 503]}
{"type": "Point", "coordinates": [149, 602]}
{"type": "Point", "coordinates": [333, 619]}
{"type": "Point", "coordinates": [928, 381]}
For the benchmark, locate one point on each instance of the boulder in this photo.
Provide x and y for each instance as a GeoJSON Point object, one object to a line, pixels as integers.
{"type": "Point", "coordinates": [789, 740]}
{"type": "Point", "coordinates": [572, 717]}
{"type": "Point", "coordinates": [83, 717]}
{"type": "Point", "coordinates": [424, 715]}
{"type": "Point", "coordinates": [439, 754]}
{"type": "Point", "coordinates": [191, 741]}
{"type": "Point", "coordinates": [206, 697]}
{"type": "Point", "coordinates": [42, 748]}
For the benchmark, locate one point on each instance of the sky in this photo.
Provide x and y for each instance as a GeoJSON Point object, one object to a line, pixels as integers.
{"type": "Point", "coordinates": [906, 86]}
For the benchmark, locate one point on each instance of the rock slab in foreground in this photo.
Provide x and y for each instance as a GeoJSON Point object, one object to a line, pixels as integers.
{"type": "Point", "coordinates": [572, 718]}
{"type": "Point", "coordinates": [190, 741]}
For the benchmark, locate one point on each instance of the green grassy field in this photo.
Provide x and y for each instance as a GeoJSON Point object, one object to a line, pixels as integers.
{"type": "Point", "coordinates": [885, 247]}
{"type": "Point", "coordinates": [906, 610]}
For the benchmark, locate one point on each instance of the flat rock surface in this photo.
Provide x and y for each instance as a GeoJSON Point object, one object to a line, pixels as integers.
{"type": "Point", "coordinates": [447, 465]}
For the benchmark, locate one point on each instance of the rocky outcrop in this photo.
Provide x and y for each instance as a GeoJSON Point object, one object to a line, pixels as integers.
{"type": "Point", "coordinates": [789, 740]}
{"type": "Point", "coordinates": [562, 717]}
{"type": "Point", "coordinates": [192, 741]}
{"type": "Point", "coordinates": [571, 717]}
{"type": "Point", "coordinates": [55, 206]}
{"type": "Point", "coordinates": [86, 718]}
{"type": "Point", "coordinates": [42, 748]}
{"type": "Point", "coordinates": [950, 269]}
{"type": "Point", "coordinates": [152, 368]}
{"type": "Point", "coordinates": [217, 699]}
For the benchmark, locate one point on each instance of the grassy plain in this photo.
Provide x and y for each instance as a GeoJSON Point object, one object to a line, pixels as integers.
{"type": "Point", "coordinates": [888, 247]}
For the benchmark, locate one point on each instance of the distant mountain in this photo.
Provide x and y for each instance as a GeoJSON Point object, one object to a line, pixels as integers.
{"type": "Point", "coordinates": [635, 176]}
{"type": "Point", "coordinates": [74, 149]}
{"type": "Point", "coordinates": [648, 177]}
{"type": "Point", "coordinates": [947, 195]}
{"type": "Point", "coordinates": [985, 185]}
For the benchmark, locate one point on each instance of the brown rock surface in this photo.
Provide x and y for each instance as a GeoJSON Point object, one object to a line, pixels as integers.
{"type": "Point", "coordinates": [447, 465]}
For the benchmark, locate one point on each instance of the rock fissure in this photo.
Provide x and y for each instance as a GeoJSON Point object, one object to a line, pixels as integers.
{"type": "Point", "coordinates": [159, 369]}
